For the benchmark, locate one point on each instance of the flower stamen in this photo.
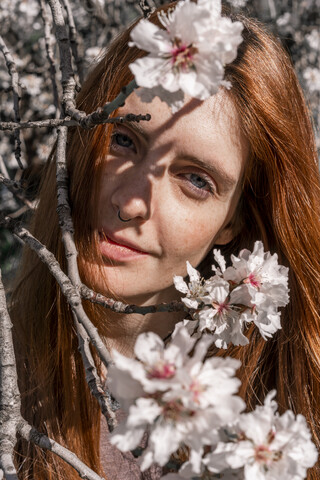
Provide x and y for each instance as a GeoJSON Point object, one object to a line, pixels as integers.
{"type": "Point", "coordinates": [253, 280]}
{"type": "Point", "coordinates": [182, 55]}
{"type": "Point", "coordinates": [265, 456]}
{"type": "Point", "coordinates": [222, 308]}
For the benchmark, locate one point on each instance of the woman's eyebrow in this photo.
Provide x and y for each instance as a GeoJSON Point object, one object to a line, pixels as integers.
{"type": "Point", "coordinates": [226, 181]}
{"type": "Point", "coordinates": [138, 129]}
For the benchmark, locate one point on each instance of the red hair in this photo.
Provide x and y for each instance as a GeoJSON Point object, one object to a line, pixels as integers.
{"type": "Point", "coordinates": [279, 205]}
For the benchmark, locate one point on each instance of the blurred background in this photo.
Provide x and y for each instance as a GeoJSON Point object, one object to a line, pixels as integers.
{"type": "Point", "coordinates": [22, 26]}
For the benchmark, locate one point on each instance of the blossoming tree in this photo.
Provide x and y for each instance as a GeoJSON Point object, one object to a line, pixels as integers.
{"type": "Point", "coordinates": [172, 391]}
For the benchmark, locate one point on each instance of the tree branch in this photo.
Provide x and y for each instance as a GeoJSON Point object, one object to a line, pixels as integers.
{"type": "Point", "coordinates": [66, 224]}
{"type": "Point", "coordinates": [74, 42]}
{"type": "Point", "coordinates": [16, 188]}
{"type": "Point", "coordinates": [11, 421]}
{"type": "Point", "coordinates": [16, 96]}
{"type": "Point", "coordinates": [12, 185]}
{"type": "Point", "coordinates": [67, 122]}
{"type": "Point", "coordinates": [50, 54]}
{"type": "Point", "coordinates": [121, 307]}
{"type": "Point", "coordinates": [93, 379]}
{"type": "Point", "coordinates": [95, 9]}
{"type": "Point", "coordinates": [69, 291]}
{"type": "Point", "coordinates": [10, 397]}
{"type": "Point", "coordinates": [67, 81]}
{"type": "Point", "coordinates": [32, 435]}
{"type": "Point", "coordinates": [146, 9]}
{"type": "Point", "coordinates": [102, 114]}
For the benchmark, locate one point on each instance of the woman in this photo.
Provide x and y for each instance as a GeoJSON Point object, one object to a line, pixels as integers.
{"type": "Point", "coordinates": [238, 167]}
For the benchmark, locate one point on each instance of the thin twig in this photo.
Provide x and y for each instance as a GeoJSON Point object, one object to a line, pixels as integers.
{"type": "Point", "coordinates": [146, 9]}
{"type": "Point", "coordinates": [3, 168]}
{"type": "Point", "coordinates": [67, 122]}
{"type": "Point", "coordinates": [120, 307]}
{"type": "Point", "coordinates": [74, 41]}
{"type": "Point", "coordinates": [95, 10]}
{"type": "Point", "coordinates": [23, 210]}
{"type": "Point", "coordinates": [10, 418]}
{"type": "Point", "coordinates": [63, 208]}
{"type": "Point", "coordinates": [32, 435]}
{"type": "Point", "coordinates": [68, 80]}
{"type": "Point", "coordinates": [12, 185]}
{"type": "Point", "coordinates": [102, 114]}
{"type": "Point", "coordinates": [93, 379]}
{"type": "Point", "coordinates": [16, 96]}
{"type": "Point", "coordinates": [16, 189]}
{"type": "Point", "coordinates": [50, 54]}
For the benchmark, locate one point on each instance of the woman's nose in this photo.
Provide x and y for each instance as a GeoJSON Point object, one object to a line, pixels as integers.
{"type": "Point", "coordinates": [131, 196]}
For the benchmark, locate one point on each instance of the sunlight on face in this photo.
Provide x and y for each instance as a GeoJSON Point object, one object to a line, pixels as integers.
{"type": "Point", "coordinates": [176, 180]}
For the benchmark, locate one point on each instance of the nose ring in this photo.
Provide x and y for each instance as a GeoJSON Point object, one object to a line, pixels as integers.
{"type": "Point", "coordinates": [122, 219]}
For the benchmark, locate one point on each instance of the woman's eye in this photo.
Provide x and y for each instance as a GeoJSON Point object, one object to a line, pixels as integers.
{"type": "Point", "coordinates": [122, 140]}
{"type": "Point", "coordinates": [197, 181]}
{"type": "Point", "coordinates": [200, 182]}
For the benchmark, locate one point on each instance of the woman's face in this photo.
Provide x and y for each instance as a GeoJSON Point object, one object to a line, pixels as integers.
{"type": "Point", "coordinates": [176, 181]}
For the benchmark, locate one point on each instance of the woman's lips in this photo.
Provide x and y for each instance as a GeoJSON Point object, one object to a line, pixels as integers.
{"type": "Point", "coordinates": [118, 251]}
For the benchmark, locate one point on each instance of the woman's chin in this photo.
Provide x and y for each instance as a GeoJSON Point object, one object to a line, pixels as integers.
{"type": "Point", "coordinates": [114, 282]}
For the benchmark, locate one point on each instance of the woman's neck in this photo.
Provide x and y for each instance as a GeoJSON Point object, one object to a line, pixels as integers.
{"type": "Point", "coordinates": [123, 329]}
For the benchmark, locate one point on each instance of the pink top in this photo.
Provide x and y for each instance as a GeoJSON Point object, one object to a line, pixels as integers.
{"type": "Point", "coordinates": [122, 466]}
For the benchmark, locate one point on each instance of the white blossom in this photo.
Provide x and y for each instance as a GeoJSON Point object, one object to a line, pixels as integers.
{"type": "Point", "coordinates": [285, 23]}
{"type": "Point", "coordinates": [32, 84]}
{"type": "Point", "coordinates": [313, 39]}
{"type": "Point", "coordinates": [153, 369]}
{"type": "Point", "coordinates": [268, 446]}
{"type": "Point", "coordinates": [188, 55]}
{"type": "Point", "coordinates": [178, 399]}
{"type": "Point", "coordinates": [92, 55]}
{"type": "Point", "coordinates": [261, 271]}
{"type": "Point", "coordinates": [238, 3]}
{"type": "Point", "coordinates": [267, 283]}
{"type": "Point", "coordinates": [312, 78]}
{"type": "Point", "coordinates": [214, 6]}
{"type": "Point", "coordinates": [220, 261]}
{"type": "Point", "coordinates": [220, 313]}
{"type": "Point", "coordinates": [194, 290]}
{"type": "Point", "coordinates": [251, 290]}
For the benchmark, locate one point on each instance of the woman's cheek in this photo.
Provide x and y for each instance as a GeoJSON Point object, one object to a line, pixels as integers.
{"type": "Point", "coordinates": [192, 239]}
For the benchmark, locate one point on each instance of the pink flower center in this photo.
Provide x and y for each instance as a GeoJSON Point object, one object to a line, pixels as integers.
{"type": "Point", "coordinates": [221, 308]}
{"type": "Point", "coordinates": [265, 456]}
{"type": "Point", "coordinates": [182, 55]}
{"type": "Point", "coordinates": [162, 370]}
{"type": "Point", "coordinates": [253, 280]}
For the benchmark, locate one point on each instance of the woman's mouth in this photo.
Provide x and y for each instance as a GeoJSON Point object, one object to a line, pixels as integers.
{"type": "Point", "coordinates": [120, 250]}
